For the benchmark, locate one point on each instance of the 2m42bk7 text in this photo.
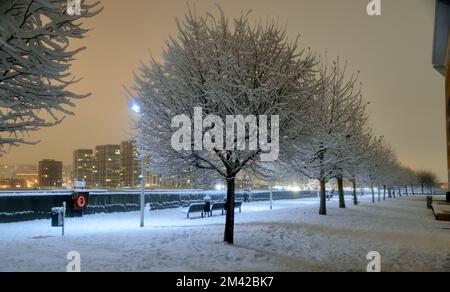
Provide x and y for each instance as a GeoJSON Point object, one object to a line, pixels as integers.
{"type": "Point", "coordinates": [246, 281]}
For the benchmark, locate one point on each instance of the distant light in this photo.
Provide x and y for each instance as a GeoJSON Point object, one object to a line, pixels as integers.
{"type": "Point", "coordinates": [136, 108]}
{"type": "Point", "coordinates": [294, 188]}
{"type": "Point", "coordinates": [219, 187]}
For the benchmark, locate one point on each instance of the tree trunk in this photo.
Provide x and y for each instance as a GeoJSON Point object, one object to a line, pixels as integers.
{"type": "Point", "coordinates": [406, 189]}
{"type": "Point", "coordinates": [323, 198]}
{"type": "Point", "coordinates": [412, 190]}
{"type": "Point", "coordinates": [340, 181]}
{"type": "Point", "coordinates": [373, 194]}
{"type": "Point", "coordinates": [229, 224]}
{"type": "Point", "coordinates": [423, 193]}
{"type": "Point", "coordinates": [389, 193]}
{"type": "Point", "coordinates": [355, 196]}
{"type": "Point", "coordinates": [400, 192]}
{"type": "Point", "coordinates": [384, 193]}
{"type": "Point", "coordinates": [393, 193]}
{"type": "Point", "coordinates": [379, 194]}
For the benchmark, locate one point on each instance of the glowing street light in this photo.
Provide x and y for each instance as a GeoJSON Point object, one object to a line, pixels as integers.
{"type": "Point", "coordinates": [136, 108]}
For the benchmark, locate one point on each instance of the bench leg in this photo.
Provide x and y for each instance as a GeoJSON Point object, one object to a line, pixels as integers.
{"type": "Point", "coordinates": [187, 216]}
{"type": "Point", "coordinates": [240, 210]}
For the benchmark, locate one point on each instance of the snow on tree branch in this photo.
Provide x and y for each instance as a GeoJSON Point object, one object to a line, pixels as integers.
{"type": "Point", "coordinates": [226, 68]}
{"type": "Point", "coordinates": [35, 57]}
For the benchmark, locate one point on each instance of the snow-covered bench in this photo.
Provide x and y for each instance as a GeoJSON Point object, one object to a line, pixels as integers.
{"type": "Point", "coordinates": [217, 207]}
{"type": "Point", "coordinates": [237, 205]}
{"type": "Point", "coordinates": [195, 208]}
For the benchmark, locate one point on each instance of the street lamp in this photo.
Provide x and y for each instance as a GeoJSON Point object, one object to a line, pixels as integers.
{"type": "Point", "coordinates": [137, 110]}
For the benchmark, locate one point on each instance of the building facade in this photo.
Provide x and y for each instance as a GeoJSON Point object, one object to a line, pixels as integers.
{"type": "Point", "coordinates": [106, 166]}
{"type": "Point", "coordinates": [12, 183]}
{"type": "Point", "coordinates": [130, 165]}
{"type": "Point", "coordinates": [83, 164]}
{"type": "Point", "coordinates": [441, 58]}
{"type": "Point", "coordinates": [50, 174]}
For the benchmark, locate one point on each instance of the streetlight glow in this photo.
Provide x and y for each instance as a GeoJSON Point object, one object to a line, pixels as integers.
{"type": "Point", "coordinates": [136, 108]}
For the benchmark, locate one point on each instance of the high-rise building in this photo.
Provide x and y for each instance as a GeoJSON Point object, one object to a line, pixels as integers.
{"type": "Point", "coordinates": [50, 173]}
{"type": "Point", "coordinates": [130, 165]}
{"type": "Point", "coordinates": [83, 163]}
{"type": "Point", "coordinates": [153, 180]}
{"type": "Point", "coordinates": [106, 170]}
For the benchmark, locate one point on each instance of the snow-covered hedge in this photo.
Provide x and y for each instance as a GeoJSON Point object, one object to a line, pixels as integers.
{"type": "Point", "coordinates": [29, 206]}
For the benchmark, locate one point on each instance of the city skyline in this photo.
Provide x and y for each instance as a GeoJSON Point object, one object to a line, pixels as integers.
{"type": "Point", "coordinates": [418, 137]}
{"type": "Point", "coordinates": [107, 166]}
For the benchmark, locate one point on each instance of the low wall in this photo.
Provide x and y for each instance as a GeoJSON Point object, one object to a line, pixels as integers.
{"type": "Point", "coordinates": [16, 207]}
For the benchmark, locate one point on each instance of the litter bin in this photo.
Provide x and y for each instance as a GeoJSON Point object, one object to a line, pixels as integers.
{"type": "Point", "coordinates": [429, 202]}
{"type": "Point", "coordinates": [57, 216]}
{"type": "Point", "coordinates": [447, 197]}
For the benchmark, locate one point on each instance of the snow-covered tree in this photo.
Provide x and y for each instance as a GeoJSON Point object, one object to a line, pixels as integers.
{"type": "Point", "coordinates": [336, 126]}
{"type": "Point", "coordinates": [369, 151]}
{"type": "Point", "coordinates": [222, 67]}
{"type": "Point", "coordinates": [409, 180]}
{"type": "Point", "coordinates": [388, 173]}
{"type": "Point", "coordinates": [371, 172]}
{"type": "Point", "coordinates": [427, 179]}
{"type": "Point", "coordinates": [35, 56]}
{"type": "Point", "coordinates": [354, 149]}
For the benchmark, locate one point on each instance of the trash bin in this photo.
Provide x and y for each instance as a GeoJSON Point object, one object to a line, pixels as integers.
{"type": "Point", "coordinates": [429, 202]}
{"type": "Point", "coordinates": [447, 197]}
{"type": "Point", "coordinates": [57, 216]}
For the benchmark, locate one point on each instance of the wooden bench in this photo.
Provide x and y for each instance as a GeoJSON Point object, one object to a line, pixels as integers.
{"type": "Point", "coordinates": [196, 208]}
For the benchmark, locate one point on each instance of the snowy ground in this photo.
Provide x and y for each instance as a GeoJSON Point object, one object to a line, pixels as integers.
{"type": "Point", "coordinates": [291, 237]}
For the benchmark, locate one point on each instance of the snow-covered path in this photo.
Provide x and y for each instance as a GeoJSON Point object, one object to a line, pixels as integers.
{"type": "Point", "coordinates": [291, 237]}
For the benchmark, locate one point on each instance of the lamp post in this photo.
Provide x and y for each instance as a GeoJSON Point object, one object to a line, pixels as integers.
{"type": "Point", "coordinates": [271, 193]}
{"type": "Point", "coordinates": [142, 190]}
{"type": "Point", "coordinates": [137, 110]}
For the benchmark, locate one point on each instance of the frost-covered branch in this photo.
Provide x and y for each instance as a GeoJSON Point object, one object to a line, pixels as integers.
{"type": "Point", "coordinates": [35, 60]}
